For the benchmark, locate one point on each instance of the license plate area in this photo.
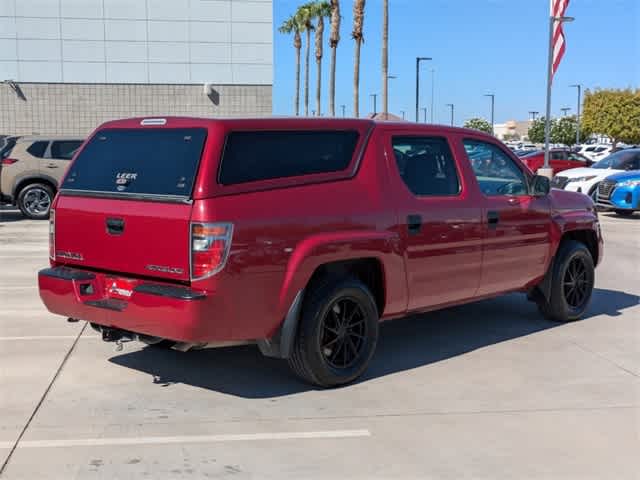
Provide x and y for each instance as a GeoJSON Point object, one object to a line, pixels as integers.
{"type": "Point", "coordinates": [120, 288]}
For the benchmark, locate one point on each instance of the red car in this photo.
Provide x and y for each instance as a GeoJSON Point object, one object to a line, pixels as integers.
{"type": "Point", "coordinates": [300, 235]}
{"type": "Point", "coordinates": [561, 159]}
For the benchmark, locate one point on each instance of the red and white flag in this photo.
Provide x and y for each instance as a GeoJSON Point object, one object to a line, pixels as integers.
{"type": "Point", "coordinates": [558, 8]}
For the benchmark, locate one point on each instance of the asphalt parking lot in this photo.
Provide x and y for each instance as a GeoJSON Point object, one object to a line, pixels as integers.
{"type": "Point", "coordinates": [484, 391]}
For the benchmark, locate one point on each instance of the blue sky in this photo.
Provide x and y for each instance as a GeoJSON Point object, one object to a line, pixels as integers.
{"type": "Point", "coordinates": [478, 46]}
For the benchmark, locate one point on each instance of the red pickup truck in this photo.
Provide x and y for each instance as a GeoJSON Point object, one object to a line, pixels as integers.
{"type": "Point", "coordinates": [300, 235]}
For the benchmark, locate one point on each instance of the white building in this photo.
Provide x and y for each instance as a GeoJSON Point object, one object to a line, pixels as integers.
{"type": "Point", "coordinates": [70, 64]}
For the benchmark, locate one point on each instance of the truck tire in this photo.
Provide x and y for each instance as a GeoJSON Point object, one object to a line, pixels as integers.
{"type": "Point", "coordinates": [571, 284]}
{"type": "Point", "coordinates": [337, 333]}
{"type": "Point", "coordinates": [34, 201]}
{"type": "Point", "coordinates": [624, 213]}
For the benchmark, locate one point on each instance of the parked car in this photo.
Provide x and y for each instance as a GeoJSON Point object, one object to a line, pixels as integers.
{"type": "Point", "coordinates": [596, 152]}
{"type": "Point", "coordinates": [560, 159]}
{"type": "Point", "coordinates": [164, 228]}
{"type": "Point", "coordinates": [620, 193]}
{"type": "Point", "coordinates": [586, 180]}
{"type": "Point", "coordinates": [31, 169]}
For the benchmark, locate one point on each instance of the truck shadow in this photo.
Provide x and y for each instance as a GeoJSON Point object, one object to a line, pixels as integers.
{"type": "Point", "coordinates": [404, 344]}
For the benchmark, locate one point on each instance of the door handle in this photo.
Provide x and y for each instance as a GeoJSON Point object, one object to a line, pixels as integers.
{"type": "Point", "coordinates": [115, 226]}
{"type": "Point", "coordinates": [493, 218]}
{"type": "Point", "coordinates": [414, 224]}
{"type": "Point", "coordinates": [52, 165]}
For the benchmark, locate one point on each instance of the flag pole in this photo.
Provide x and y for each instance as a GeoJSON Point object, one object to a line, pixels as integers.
{"type": "Point", "coordinates": [547, 121]}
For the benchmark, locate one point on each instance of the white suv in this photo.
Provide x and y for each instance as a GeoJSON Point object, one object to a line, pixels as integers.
{"type": "Point", "coordinates": [586, 180]}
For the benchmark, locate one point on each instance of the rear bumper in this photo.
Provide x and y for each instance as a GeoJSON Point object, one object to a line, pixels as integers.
{"type": "Point", "coordinates": [157, 309]}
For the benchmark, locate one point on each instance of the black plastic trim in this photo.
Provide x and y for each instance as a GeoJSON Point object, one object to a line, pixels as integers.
{"type": "Point", "coordinates": [281, 344]}
{"type": "Point", "coordinates": [181, 293]}
{"type": "Point", "coordinates": [109, 304]}
{"type": "Point", "coordinates": [64, 273]}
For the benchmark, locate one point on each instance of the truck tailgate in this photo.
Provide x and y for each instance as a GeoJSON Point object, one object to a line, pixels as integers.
{"type": "Point", "coordinates": [125, 236]}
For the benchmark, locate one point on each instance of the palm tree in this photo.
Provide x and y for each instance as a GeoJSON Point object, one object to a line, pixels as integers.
{"type": "Point", "coordinates": [321, 10]}
{"type": "Point", "coordinates": [356, 34]}
{"type": "Point", "coordinates": [334, 38]}
{"type": "Point", "coordinates": [305, 18]}
{"type": "Point", "coordinates": [292, 25]}
{"type": "Point", "coordinates": [385, 59]}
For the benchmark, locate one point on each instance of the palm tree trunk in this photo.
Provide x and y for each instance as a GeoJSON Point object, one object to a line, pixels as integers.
{"type": "Point", "coordinates": [334, 38]}
{"type": "Point", "coordinates": [319, 35]}
{"type": "Point", "coordinates": [318, 85]}
{"type": "Point", "coordinates": [385, 59]}
{"type": "Point", "coordinates": [297, 101]}
{"type": "Point", "coordinates": [306, 74]}
{"type": "Point", "coordinates": [356, 34]}
{"type": "Point", "coordinates": [332, 83]}
{"type": "Point", "coordinates": [356, 80]}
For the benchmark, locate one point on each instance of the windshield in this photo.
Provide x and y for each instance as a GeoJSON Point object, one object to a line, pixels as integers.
{"type": "Point", "coordinates": [618, 160]}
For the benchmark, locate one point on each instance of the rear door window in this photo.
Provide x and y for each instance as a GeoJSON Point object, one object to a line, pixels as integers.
{"type": "Point", "coordinates": [139, 161]}
{"type": "Point", "coordinates": [37, 149]}
{"type": "Point", "coordinates": [8, 145]}
{"type": "Point", "coordinates": [267, 155]}
{"type": "Point", "coordinates": [64, 149]}
{"type": "Point", "coordinates": [426, 165]}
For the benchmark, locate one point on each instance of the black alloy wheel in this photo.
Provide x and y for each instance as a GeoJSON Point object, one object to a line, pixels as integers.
{"type": "Point", "coordinates": [344, 332]}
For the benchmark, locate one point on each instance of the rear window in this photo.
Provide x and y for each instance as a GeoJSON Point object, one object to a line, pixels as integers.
{"type": "Point", "coordinates": [139, 161]}
{"type": "Point", "coordinates": [8, 145]}
{"type": "Point", "coordinates": [266, 155]}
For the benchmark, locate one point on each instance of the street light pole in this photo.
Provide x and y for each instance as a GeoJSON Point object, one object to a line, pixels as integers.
{"type": "Point", "coordinates": [344, 109]}
{"type": "Point", "coordinates": [533, 114]}
{"type": "Point", "coordinates": [418, 60]}
{"type": "Point", "coordinates": [579, 87]}
{"type": "Point", "coordinates": [433, 87]}
{"type": "Point", "coordinates": [565, 110]}
{"type": "Point", "coordinates": [493, 98]}
{"type": "Point", "coordinates": [451, 106]}
{"type": "Point", "coordinates": [547, 121]}
{"type": "Point", "coordinates": [424, 110]}
{"type": "Point", "coordinates": [375, 99]}
{"type": "Point", "coordinates": [403, 113]}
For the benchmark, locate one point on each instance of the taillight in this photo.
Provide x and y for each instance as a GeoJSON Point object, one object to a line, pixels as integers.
{"type": "Point", "coordinates": [52, 234]}
{"type": "Point", "coordinates": [210, 245]}
{"type": "Point", "coordinates": [9, 161]}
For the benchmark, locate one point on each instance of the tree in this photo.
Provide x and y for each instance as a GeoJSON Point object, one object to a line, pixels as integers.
{"type": "Point", "coordinates": [564, 129]}
{"type": "Point", "coordinates": [334, 38]}
{"type": "Point", "coordinates": [614, 113]}
{"type": "Point", "coordinates": [289, 26]}
{"type": "Point", "coordinates": [536, 131]}
{"type": "Point", "coordinates": [320, 10]}
{"type": "Point", "coordinates": [356, 34]}
{"type": "Point", "coordinates": [304, 16]}
{"type": "Point", "coordinates": [385, 59]}
{"type": "Point", "coordinates": [478, 124]}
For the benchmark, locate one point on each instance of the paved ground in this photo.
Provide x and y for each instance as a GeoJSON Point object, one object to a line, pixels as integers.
{"type": "Point", "coordinates": [483, 391]}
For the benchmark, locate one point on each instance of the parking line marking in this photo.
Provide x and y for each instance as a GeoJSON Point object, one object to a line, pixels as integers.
{"type": "Point", "coordinates": [241, 437]}
{"type": "Point", "coordinates": [23, 287]}
{"type": "Point", "coordinates": [45, 337]}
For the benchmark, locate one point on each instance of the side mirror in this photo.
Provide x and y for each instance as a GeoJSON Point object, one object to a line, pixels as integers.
{"type": "Point", "coordinates": [540, 186]}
